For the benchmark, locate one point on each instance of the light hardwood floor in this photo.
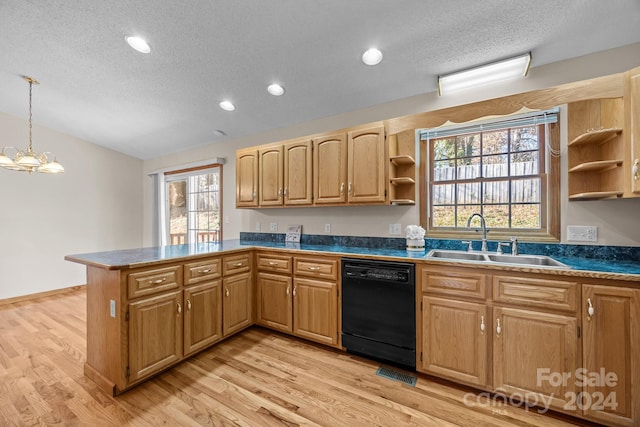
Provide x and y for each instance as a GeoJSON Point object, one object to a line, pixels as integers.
{"type": "Point", "coordinates": [256, 378]}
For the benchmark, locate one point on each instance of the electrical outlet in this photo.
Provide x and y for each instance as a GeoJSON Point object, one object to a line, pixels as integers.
{"type": "Point", "coordinates": [395, 229]}
{"type": "Point", "coordinates": [274, 226]}
{"type": "Point", "coordinates": [258, 226]}
{"type": "Point", "coordinates": [327, 228]}
{"type": "Point", "coordinates": [582, 233]}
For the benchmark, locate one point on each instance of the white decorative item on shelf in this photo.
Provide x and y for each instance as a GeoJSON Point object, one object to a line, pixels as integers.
{"type": "Point", "coordinates": [415, 237]}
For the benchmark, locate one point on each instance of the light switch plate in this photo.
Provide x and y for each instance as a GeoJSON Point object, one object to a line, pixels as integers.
{"type": "Point", "coordinates": [582, 233]}
{"type": "Point", "coordinates": [395, 229]}
{"type": "Point", "coordinates": [274, 226]}
{"type": "Point", "coordinates": [112, 308]}
{"type": "Point", "coordinates": [258, 226]}
{"type": "Point", "coordinates": [327, 228]}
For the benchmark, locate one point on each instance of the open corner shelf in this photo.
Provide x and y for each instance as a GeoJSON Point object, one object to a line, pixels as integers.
{"type": "Point", "coordinates": [402, 160]}
{"type": "Point", "coordinates": [402, 180]}
{"type": "Point", "coordinates": [403, 202]}
{"type": "Point", "coordinates": [596, 195]}
{"type": "Point", "coordinates": [595, 137]}
{"type": "Point", "coordinates": [597, 166]}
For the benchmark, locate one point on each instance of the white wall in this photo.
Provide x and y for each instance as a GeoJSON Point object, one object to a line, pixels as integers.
{"type": "Point", "coordinates": [95, 205]}
{"type": "Point", "coordinates": [615, 218]}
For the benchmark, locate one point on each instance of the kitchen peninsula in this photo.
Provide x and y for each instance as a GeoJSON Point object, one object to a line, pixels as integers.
{"type": "Point", "coordinates": [149, 308]}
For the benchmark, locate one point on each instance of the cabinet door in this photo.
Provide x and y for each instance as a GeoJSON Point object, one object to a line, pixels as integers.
{"type": "Point", "coordinates": [155, 334]}
{"type": "Point", "coordinates": [315, 310]}
{"type": "Point", "coordinates": [274, 302]}
{"type": "Point", "coordinates": [632, 125]}
{"type": "Point", "coordinates": [367, 167]}
{"type": "Point", "coordinates": [611, 348]}
{"type": "Point", "coordinates": [454, 339]}
{"type": "Point", "coordinates": [270, 172]}
{"type": "Point", "coordinates": [530, 348]}
{"type": "Point", "coordinates": [236, 305]}
{"type": "Point", "coordinates": [247, 178]}
{"type": "Point", "coordinates": [298, 181]}
{"type": "Point", "coordinates": [202, 315]}
{"type": "Point", "coordinates": [330, 169]}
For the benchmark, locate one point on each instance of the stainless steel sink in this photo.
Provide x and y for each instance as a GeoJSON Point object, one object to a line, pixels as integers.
{"type": "Point", "coordinates": [457, 255]}
{"type": "Point", "coordinates": [537, 260]}
{"type": "Point", "coordinates": [492, 258]}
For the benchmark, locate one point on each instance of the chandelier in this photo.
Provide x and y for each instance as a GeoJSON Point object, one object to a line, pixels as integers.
{"type": "Point", "coordinates": [29, 161]}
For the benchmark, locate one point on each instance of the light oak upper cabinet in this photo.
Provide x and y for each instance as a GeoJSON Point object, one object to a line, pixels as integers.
{"type": "Point", "coordinates": [632, 124]}
{"type": "Point", "coordinates": [247, 177]}
{"type": "Point", "coordinates": [270, 165]}
{"type": "Point", "coordinates": [330, 169]}
{"type": "Point", "coordinates": [298, 182]}
{"type": "Point", "coordinates": [611, 345]}
{"type": "Point", "coordinates": [367, 171]}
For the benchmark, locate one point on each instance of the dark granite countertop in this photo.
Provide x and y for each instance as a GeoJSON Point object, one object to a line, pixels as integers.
{"type": "Point", "coordinates": [132, 258]}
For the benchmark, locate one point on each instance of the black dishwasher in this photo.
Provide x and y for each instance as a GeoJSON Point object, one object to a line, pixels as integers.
{"type": "Point", "coordinates": [379, 310]}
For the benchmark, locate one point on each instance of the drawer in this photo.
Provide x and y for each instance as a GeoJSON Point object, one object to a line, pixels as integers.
{"type": "Point", "coordinates": [325, 268]}
{"type": "Point", "coordinates": [536, 292]}
{"type": "Point", "coordinates": [275, 263]}
{"type": "Point", "coordinates": [196, 272]}
{"type": "Point", "coordinates": [459, 282]}
{"type": "Point", "coordinates": [236, 264]}
{"type": "Point", "coordinates": [149, 282]}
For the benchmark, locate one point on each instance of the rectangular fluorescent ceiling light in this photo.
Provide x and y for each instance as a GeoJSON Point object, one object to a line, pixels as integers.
{"type": "Point", "coordinates": [500, 71]}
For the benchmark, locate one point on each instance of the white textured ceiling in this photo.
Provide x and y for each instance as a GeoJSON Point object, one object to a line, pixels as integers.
{"type": "Point", "coordinates": [95, 87]}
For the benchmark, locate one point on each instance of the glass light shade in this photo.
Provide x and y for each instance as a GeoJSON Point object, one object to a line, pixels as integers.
{"type": "Point", "coordinates": [486, 74]}
{"type": "Point", "coordinates": [28, 160]}
{"type": "Point", "coordinates": [138, 43]}
{"type": "Point", "coordinates": [275, 89]}
{"type": "Point", "coordinates": [51, 167]}
{"type": "Point", "coordinates": [227, 106]}
{"type": "Point", "coordinates": [372, 56]}
{"type": "Point", "coordinates": [5, 161]}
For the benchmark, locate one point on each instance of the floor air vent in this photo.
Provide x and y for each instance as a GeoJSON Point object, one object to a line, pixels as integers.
{"type": "Point", "coordinates": [397, 376]}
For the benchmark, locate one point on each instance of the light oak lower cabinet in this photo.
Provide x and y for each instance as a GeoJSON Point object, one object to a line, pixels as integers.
{"type": "Point", "coordinates": [202, 316]}
{"type": "Point", "coordinates": [611, 349]}
{"type": "Point", "coordinates": [155, 334]}
{"type": "Point", "coordinates": [306, 304]}
{"type": "Point", "coordinates": [535, 335]}
{"type": "Point", "coordinates": [237, 283]}
{"type": "Point", "coordinates": [454, 324]}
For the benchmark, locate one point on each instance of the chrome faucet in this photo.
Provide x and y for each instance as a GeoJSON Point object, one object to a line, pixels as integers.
{"type": "Point", "coordinates": [483, 224]}
{"type": "Point", "coordinates": [514, 246]}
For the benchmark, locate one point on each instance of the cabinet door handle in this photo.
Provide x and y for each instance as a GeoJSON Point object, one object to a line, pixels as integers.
{"type": "Point", "coordinates": [189, 305]}
{"type": "Point", "coordinates": [254, 196]}
{"type": "Point", "coordinates": [179, 309]}
{"type": "Point", "coordinates": [349, 190]}
{"type": "Point", "coordinates": [314, 268]}
{"type": "Point", "coordinates": [635, 173]}
{"type": "Point", "coordinates": [286, 193]}
{"type": "Point", "coordinates": [294, 291]}
{"type": "Point", "coordinates": [226, 292]}
{"type": "Point", "coordinates": [157, 282]}
{"type": "Point", "coordinates": [342, 189]}
{"type": "Point", "coordinates": [288, 290]}
{"type": "Point", "coordinates": [482, 325]}
{"type": "Point", "coordinates": [498, 328]}
{"type": "Point", "coordinates": [590, 310]}
{"type": "Point", "coordinates": [279, 192]}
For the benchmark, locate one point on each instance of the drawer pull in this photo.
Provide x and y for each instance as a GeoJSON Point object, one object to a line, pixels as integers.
{"type": "Point", "coordinates": [189, 305]}
{"type": "Point", "coordinates": [179, 309]}
{"type": "Point", "coordinates": [205, 271]}
{"type": "Point", "coordinates": [157, 282]}
{"type": "Point", "coordinates": [590, 310]}
{"type": "Point", "coordinates": [272, 264]}
{"type": "Point", "coordinates": [238, 264]}
{"type": "Point", "coordinates": [482, 327]}
{"type": "Point", "coordinates": [314, 268]}
{"type": "Point", "coordinates": [498, 328]}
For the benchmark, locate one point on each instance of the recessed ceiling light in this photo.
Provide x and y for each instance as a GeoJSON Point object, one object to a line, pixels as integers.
{"type": "Point", "coordinates": [372, 56]}
{"type": "Point", "coordinates": [275, 89]}
{"type": "Point", "coordinates": [138, 43]}
{"type": "Point", "coordinates": [227, 105]}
